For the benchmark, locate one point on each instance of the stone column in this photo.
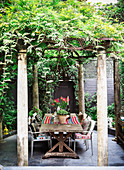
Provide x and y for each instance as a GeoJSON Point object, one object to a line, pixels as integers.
{"type": "Point", "coordinates": [102, 124]}
{"type": "Point", "coordinates": [22, 113]}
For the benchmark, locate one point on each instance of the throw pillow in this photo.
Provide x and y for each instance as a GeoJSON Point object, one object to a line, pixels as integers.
{"type": "Point", "coordinates": [86, 125]}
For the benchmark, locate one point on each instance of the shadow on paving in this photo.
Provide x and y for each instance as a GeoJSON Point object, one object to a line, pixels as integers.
{"type": "Point", "coordinates": [8, 154]}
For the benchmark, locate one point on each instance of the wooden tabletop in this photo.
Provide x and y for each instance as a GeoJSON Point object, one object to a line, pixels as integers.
{"type": "Point", "coordinates": [61, 128]}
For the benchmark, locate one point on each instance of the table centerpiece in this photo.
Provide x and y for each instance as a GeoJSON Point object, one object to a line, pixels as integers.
{"type": "Point", "coordinates": [61, 105]}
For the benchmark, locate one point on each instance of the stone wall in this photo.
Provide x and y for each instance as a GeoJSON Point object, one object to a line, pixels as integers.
{"type": "Point", "coordinates": [90, 79]}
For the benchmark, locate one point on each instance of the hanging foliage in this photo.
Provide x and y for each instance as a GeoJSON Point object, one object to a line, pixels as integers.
{"type": "Point", "coordinates": [48, 23]}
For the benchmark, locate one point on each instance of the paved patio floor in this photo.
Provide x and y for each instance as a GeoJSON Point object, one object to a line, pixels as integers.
{"type": "Point", "coordinates": [8, 154]}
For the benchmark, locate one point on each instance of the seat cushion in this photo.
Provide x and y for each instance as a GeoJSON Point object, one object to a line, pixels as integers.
{"type": "Point", "coordinates": [81, 136]}
{"type": "Point", "coordinates": [43, 137]}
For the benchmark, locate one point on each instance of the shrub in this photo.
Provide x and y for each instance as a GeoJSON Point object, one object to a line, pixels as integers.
{"type": "Point", "coordinates": [111, 111]}
{"type": "Point", "coordinates": [90, 105]}
{"type": "Point", "coordinates": [91, 108]}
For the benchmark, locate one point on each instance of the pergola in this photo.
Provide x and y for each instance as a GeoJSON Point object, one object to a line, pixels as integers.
{"type": "Point", "coordinates": [102, 125]}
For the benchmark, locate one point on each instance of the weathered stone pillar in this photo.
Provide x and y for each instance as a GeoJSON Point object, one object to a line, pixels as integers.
{"type": "Point", "coordinates": [81, 89]}
{"type": "Point", "coordinates": [22, 114]}
{"type": "Point", "coordinates": [35, 87]}
{"type": "Point", "coordinates": [102, 124]}
{"type": "Point", "coordinates": [117, 98]}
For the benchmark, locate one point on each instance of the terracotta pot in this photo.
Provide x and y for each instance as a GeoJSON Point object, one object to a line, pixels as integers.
{"type": "Point", "coordinates": [62, 118]}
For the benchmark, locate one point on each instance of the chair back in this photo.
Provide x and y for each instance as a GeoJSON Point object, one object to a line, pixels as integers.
{"type": "Point", "coordinates": [92, 125]}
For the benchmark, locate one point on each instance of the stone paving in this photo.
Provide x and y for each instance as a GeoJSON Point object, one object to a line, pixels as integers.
{"type": "Point", "coordinates": [8, 154]}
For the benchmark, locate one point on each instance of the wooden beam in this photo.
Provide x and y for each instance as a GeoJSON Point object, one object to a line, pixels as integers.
{"type": "Point", "coordinates": [107, 39]}
{"type": "Point", "coordinates": [106, 42]}
{"type": "Point", "coordinates": [83, 57]}
{"type": "Point", "coordinates": [81, 89]}
{"type": "Point", "coordinates": [117, 52]}
{"type": "Point", "coordinates": [59, 154]}
{"type": "Point", "coordinates": [80, 42]}
{"type": "Point", "coordinates": [35, 87]}
{"type": "Point", "coordinates": [74, 57]}
{"type": "Point", "coordinates": [83, 39]}
{"type": "Point", "coordinates": [117, 98]}
{"type": "Point", "coordinates": [70, 48]}
{"type": "Point", "coordinates": [22, 113]}
{"type": "Point", "coordinates": [102, 125]}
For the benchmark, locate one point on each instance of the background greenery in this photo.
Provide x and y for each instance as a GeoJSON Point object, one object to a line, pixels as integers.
{"type": "Point", "coordinates": [35, 23]}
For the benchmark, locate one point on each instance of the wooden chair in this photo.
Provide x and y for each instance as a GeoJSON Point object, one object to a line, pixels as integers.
{"type": "Point", "coordinates": [36, 119]}
{"type": "Point", "coordinates": [86, 135]}
{"type": "Point", "coordinates": [37, 136]}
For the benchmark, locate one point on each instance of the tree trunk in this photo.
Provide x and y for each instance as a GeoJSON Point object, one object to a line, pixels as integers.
{"type": "Point", "coordinates": [2, 73]}
{"type": "Point", "coordinates": [35, 87]}
{"type": "Point", "coordinates": [117, 99]}
{"type": "Point", "coordinates": [102, 125]}
{"type": "Point", "coordinates": [81, 89]}
{"type": "Point", "coordinates": [122, 85]}
{"type": "Point", "coordinates": [22, 114]}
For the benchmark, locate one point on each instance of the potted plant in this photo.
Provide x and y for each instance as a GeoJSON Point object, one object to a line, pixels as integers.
{"type": "Point", "coordinates": [63, 115]}
{"type": "Point", "coordinates": [61, 104]}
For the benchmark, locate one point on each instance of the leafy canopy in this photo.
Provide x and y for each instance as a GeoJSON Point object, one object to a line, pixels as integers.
{"type": "Point", "coordinates": [50, 22]}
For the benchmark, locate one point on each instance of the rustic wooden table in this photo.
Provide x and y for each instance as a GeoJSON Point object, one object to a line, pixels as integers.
{"type": "Point", "coordinates": [69, 128]}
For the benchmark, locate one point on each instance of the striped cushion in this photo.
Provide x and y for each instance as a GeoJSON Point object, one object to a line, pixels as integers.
{"type": "Point", "coordinates": [50, 120]}
{"type": "Point", "coordinates": [81, 136]}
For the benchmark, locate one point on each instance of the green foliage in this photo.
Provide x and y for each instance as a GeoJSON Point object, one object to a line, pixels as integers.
{"type": "Point", "coordinates": [90, 105]}
{"type": "Point", "coordinates": [113, 124]}
{"type": "Point", "coordinates": [31, 113]}
{"type": "Point", "coordinates": [40, 24]}
{"type": "Point", "coordinates": [111, 111]}
{"type": "Point", "coordinates": [35, 110]}
{"type": "Point", "coordinates": [114, 12]}
{"type": "Point", "coordinates": [50, 71]}
{"type": "Point", "coordinates": [7, 106]}
{"type": "Point", "coordinates": [4, 3]}
{"type": "Point", "coordinates": [62, 112]}
{"type": "Point", "coordinates": [9, 114]}
{"type": "Point", "coordinates": [48, 79]}
{"type": "Point", "coordinates": [91, 108]}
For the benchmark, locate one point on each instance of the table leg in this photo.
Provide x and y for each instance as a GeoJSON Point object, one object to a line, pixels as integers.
{"type": "Point", "coordinates": [61, 142]}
